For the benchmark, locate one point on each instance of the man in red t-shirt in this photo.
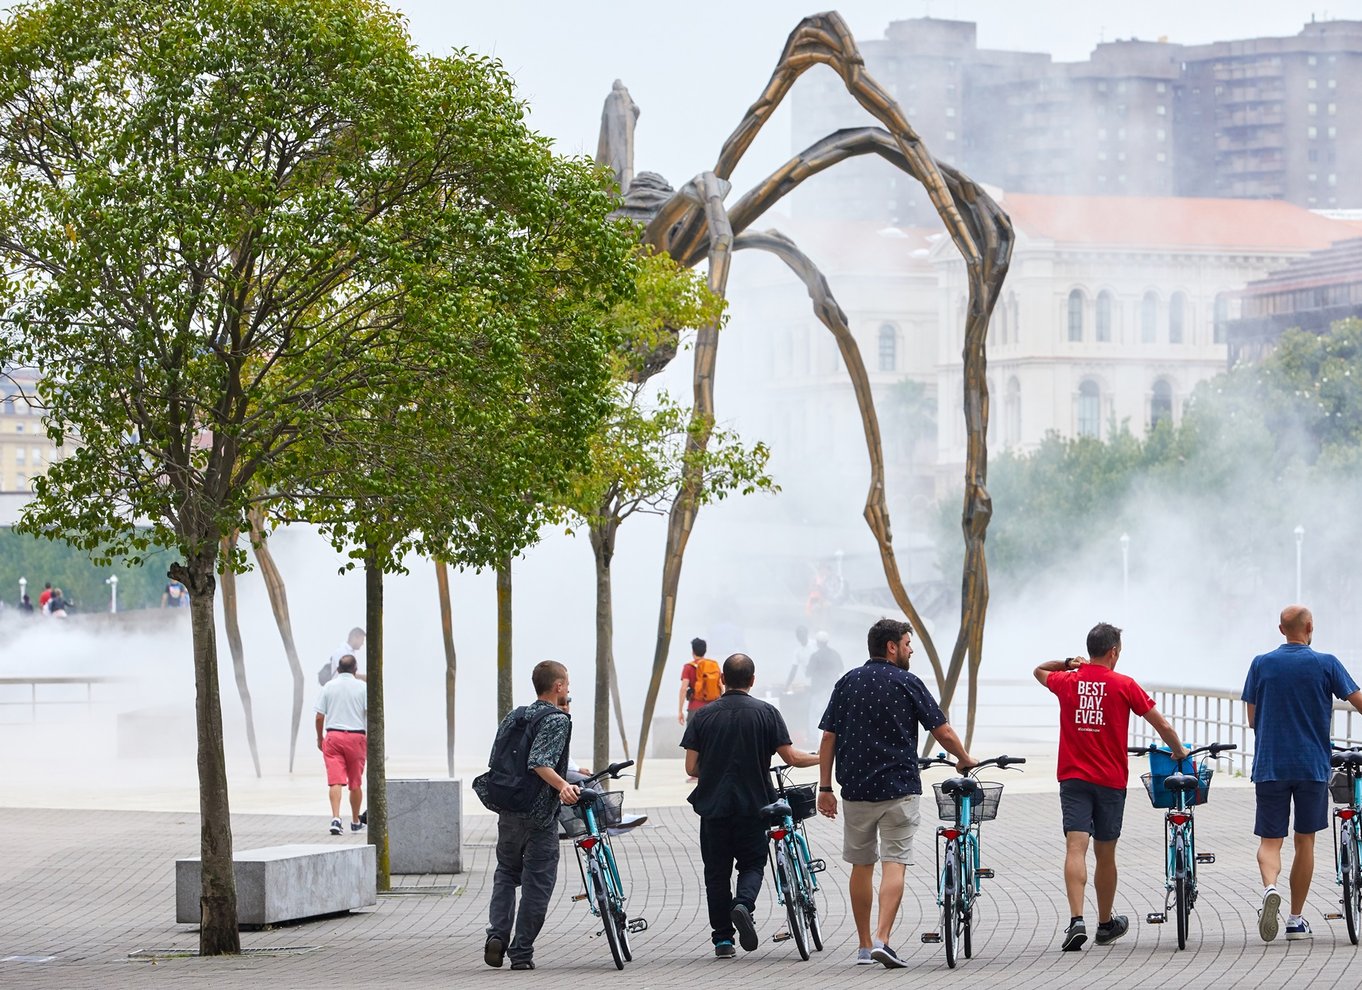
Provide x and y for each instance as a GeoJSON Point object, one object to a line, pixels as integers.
{"type": "Point", "coordinates": [1095, 705]}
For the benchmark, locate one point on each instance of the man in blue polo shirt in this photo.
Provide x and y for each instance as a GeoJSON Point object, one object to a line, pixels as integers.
{"type": "Point", "coordinates": [870, 733]}
{"type": "Point", "coordinates": [1289, 695]}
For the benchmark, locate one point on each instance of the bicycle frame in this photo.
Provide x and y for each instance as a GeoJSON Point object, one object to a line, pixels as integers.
{"type": "Point", "coordinates": [596, 855]}
{"type": "Point", "coordinates": [789, 853]}
{"type": "Point", "coordinates": [1346, 821]}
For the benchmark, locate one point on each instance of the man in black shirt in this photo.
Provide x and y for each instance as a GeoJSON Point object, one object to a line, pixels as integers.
{"type": "Point", "coordinates": [870, 732]}
{"type": "Point", "coordinates": [728, 746]}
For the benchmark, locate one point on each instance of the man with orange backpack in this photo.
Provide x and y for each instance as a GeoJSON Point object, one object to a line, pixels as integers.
{"type": "Point", "coordinates": [700, 682]}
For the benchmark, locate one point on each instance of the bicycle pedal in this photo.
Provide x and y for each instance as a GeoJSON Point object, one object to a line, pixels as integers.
{"type": "Point", "coordinates": [636, 925]}
{"type": "Point", "coordinates": [1333, 916]}
{"type": "Point", "coordinates": [983, 874]}
{"type": "Point", "coordinates": [781, 937]}
{"type": "Point", "coordinates": [1155, 918]}
{"type": "Point", "coordinates": [578, 897]}
{"type": "Point", "coordinates": [931, 936]}
{"type": "Point", "coordinates": [1205, 857]}
{"type": "Point", "coordinates": [818, 865]}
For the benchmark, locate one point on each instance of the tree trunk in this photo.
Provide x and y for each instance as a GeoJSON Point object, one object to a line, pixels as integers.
{"type": "Point", "coordinates": [504, 638]}
{"type": "Point", "coordinates": [375, 777]}
{"type": "Point", "coordinates": [602, 547]}
{"type": "Point", "coordinates": [229, 620]}
{"type": "Point", "coordinates": [218, 934]}
{"type": "Point", "coordinates": [451, 659]}
{"type": "Point", "coordinates": [274, 584]}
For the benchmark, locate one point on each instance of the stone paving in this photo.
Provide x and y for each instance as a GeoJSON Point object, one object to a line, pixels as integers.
{"type": "Point", "coordinates": [84, 890]}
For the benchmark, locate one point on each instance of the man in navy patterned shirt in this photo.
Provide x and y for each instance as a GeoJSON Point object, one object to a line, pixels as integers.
{"type": "Point", "coordinates": [870, 733]}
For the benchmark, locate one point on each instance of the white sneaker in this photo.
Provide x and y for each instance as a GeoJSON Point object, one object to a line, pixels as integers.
{"type": "Point", "coordinates": [1267, 914]}
{"type": "Point", "coordinates": [864, 958]}
{"type": "Point", "coordinates": [1298, 929]}
{"type": "Point", "coordinates": [336, 826]}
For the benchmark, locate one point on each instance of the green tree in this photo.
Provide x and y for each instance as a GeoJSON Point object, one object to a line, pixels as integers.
{"type": "Point", "coordinates": [228, 225]}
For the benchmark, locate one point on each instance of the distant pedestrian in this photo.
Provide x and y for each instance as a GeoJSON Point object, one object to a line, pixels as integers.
{"type": "Point", "coordinates": [353, 646]}
{"type": "Point", "coordinates": [175, 595]}
{"type": "Point", "coordinates": [1095, 705]}
{"type": "Point", "coordinates": [729, 745]}
{"type": "Point", "coordinates": [1289, 696]}
{"type": "Point", "coordinates": [26, 605]}
{"type": "Point", "coordinates": [44, 595]}
{"type": "Point", "coordinates": [870, 734]}
{"type": "Point", "coordinates": [57, 605]}
{"type": "Point", "coordinates": [536, 739]}
{"type": "Point", "coordinates": [823, 670]}
{"type": "Point", "coordinates": [342, 724]}
{"type": "Point", "coordinates": [701, 681]}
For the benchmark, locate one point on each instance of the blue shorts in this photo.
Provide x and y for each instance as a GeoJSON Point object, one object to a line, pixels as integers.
{"type": "Point", "coordinates": [1275, 798]}
{"type": "Point", "coordinates": [1092, 808]}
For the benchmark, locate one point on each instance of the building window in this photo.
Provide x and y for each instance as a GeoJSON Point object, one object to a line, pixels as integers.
{"type": "Point", "coordinates": [1161, 134]}
{"type": "Point", "coordinates": [1161, 404]}
{"type": "Point", "coordinates": [1311, 84]}
{"type": "Point", "coordinates": [1333, 108]}
{"type": "Point", "coordinates": [1312, 108]}
{"type": "Point", "coordinates": [1160, 87]}
{"type": "Point", "coordinates": [1177, 307]}
{"type": "Point", "coordinates": [1012, 411]}
{"type": "Point", "coordinates": [950, 111]}
{"type": "Point", "coordinates": [950, 135]}
{"type": "Point", "coordinates": [1312, 132]}
{"type": "Point", "coordinates": [18, 455]}
{"type": "Point", "coordinates": [1104, 315]}
{"type": "Point", "coordinates": [1161, 110]}
{"type": "Point", "coordinates": [1149, 316]}
{"type": "Point", "coordinates": [1089, 409]}
{"type": "Point", "coordinates": [1220, 331]}
{"type": "Point", "coordinates": [889, 348]}
{"type": "Point", "coordinates": [1075, 315]}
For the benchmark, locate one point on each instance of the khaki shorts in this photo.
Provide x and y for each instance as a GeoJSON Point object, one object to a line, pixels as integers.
{"type": "Point", "coordinates": [880, 830]}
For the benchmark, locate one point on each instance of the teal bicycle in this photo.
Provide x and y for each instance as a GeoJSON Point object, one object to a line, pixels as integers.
{"type": "Point", "coordinates": [793, 868]}
{"type": "Point", "coordinates": [963, 801]}
{"type": "Point", "coordinates": [588, 823]}
{"type": "Point", "coordinates": [1346, 789]}
{"type": "Point", "coordinates": [1178, 791]}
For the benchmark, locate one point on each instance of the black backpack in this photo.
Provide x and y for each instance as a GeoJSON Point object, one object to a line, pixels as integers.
{"type": "Point", "coordinates": [509, 784]}
{"type": "Point", "coordinates": [325, 674]}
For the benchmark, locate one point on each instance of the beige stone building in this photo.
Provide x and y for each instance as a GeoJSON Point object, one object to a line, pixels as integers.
{"type": "Point", "coordinates": [25, 451]}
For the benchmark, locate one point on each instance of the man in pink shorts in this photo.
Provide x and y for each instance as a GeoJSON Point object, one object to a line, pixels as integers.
{"type": "Point", "coordinates": [341, 723]}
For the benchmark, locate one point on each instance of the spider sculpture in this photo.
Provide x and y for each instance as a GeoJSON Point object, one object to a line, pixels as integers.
{"type": "Point", "coordinates": [694, 224]}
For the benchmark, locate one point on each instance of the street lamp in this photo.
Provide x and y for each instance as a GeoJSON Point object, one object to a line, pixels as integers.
{"type": "Point", "coordinates": [1300, 538]}
{"type": "Point", "coordinates": [112, 582]}
{"type": "Point", "coordinates": [1125, 573]}
{"type": "Point", "coordinates": [23, 589]}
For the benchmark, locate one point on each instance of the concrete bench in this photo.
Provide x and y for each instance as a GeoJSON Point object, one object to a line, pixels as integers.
{"type": "Point", "coordinates": [425, 826]}
{"type": "Point", "coordinates": [286, 883]}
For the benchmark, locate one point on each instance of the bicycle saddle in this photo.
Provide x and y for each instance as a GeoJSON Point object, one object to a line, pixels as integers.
{"type": "Point", "coordinates": [1181, 782]}
{"type": "Point", "coordinates": [960, 785]}
{"type": "Point", "coordinates": [776, 810]}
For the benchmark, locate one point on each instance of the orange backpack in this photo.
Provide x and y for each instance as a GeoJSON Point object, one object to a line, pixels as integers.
{"type": "Point", "coordinates": [707, 683]}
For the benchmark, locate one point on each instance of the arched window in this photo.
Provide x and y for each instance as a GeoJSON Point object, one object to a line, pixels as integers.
{"type": "Point", "coordinates": [1104, 315]}
{"type": "Point", "coordinates": [1075, 315]}
{"type": "Point", "coordinates": [1221, 332]}
{"type": "Point", "coordinates": [1161, 404]}
{"type": "Point", "coordinates": [1013, 317]}
{"type": "Point", "coordinates": [889, 348]}
{"type": "Point", "coordinates": [9, 404]}
{"type": "Point", "coordinates": [1149, 317]}
{"type": "Point", "coordinates": [1177, 317]}
{"type": "Point", "coordinates": [1012, 411]}
{"type": "Point", "coordinates": [1089, 409]}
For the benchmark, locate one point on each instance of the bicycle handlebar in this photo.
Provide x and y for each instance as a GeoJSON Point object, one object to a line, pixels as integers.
{"type": "Point", "coordinates": [1001, 762]}
{"type": "Point", "coordinates": [1215, 749]}
{"type": "Point", "coordinates": [612, 771]}
{"type": "Point", "coordinates": [1341, 756]}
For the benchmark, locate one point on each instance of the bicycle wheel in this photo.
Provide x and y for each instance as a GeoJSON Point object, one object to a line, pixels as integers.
{"type": "Point", "coordinates": [948, 909]}
{"type": "Point", "coordinates": [617, 908]}
{"type": "Point", "coordinates": [1181, 893]}
{"type": "Point", "coordinates": [794, 908]}
{"type": "Point", "coordinates": [1347, 871]}
{"type": "Point", "coordinates": [612, 932]}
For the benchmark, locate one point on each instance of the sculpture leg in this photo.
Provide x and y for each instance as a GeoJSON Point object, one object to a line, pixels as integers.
{"type": "Point", "coordinates": [229, 620]}
{"type": "Point", "coordinates": [274, 585]}
{"type": "Point", "coordinates": [451, 659]}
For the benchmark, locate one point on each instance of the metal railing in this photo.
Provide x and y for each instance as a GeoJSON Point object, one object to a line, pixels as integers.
{"type": "Point", "coordinates": [33, 702]}
{"type": "Point", "coordinates": [1206, 715]}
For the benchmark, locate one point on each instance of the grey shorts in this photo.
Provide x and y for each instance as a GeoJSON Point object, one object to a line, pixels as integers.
{"type": "Point", "coordinates": [1092, 808]}
{"type": "Point", "coordinates": [880, 830]}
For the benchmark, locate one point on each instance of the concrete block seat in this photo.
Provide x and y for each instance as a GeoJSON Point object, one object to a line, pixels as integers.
{"type": "Point", "coordinates": [286, 883]}
{"type": "Point", "coordinates": [425, 826]}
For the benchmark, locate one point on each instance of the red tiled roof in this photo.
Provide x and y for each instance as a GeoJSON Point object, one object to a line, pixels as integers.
{"type": "Point", "coordinates": [1154, 222]}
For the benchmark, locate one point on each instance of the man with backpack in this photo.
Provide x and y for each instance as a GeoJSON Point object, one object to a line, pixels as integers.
{"type": "Point", "coordinates": [524, 784]}
{"type": "Point", "coordinates": [701, 682]}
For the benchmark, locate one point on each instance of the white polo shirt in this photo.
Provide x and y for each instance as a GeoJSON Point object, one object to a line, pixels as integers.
{"type": "Point", "coordinates": [345, 649]}
{"type": "Point", "coordinates": [343, 702]}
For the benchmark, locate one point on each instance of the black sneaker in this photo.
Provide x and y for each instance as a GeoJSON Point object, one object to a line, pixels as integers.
{"type": "Point", "coordinates": [1106, 934]}
{"type": "Point", "coordinates": [1074, 936]}
{"type": "Point", "coordinates": [887, 957]}
{"type": "Point", "coordinates": [336, 826]}
{"type": "Point", "coordinates": [741, 916]}
{"type": "Point", "coordinates": [356, 826]}
{"type": "Point", "coordinates": [494, 951]}
{"type": "Point", "coordinates": [523, 964]}
{"type": "Point", "coordinates": [724, 950]}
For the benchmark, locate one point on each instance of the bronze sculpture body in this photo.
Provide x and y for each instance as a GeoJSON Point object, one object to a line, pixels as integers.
{"type": "Point", "coordinates": [694, 224]}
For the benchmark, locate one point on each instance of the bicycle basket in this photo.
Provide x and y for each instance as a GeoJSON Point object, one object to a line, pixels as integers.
{"type": "Point", "coordinates": [608, 806]}
{"type": "Point", "coordinates": [983, 805]}
{"type": "Point", "coordinates": [1341, 788]}
{"type": "Point", "coordinates": [803, 801]}
{"type": "Point", "coordinates": [1161, 797]}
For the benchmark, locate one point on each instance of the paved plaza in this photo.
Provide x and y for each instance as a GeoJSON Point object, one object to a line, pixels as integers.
{"type": "Point", "coordinates": [89, 895]}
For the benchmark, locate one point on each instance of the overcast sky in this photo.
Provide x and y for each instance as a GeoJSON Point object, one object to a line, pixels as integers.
{"type": "Point", "coordinates": [694, 68]}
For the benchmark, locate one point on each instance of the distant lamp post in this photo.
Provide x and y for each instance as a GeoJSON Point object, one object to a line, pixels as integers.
{"type": "Point", "coordinates": [23, 588]}
{"type": "Point", "coordinates": [1300, 538]}
{"type": "Point", "coordinates": [112, 582]}
{"type": "Point", "coordinates": [1125, 573]}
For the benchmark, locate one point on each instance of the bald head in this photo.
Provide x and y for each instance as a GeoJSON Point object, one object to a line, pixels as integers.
{"type": "Point", "coordinates": [1297, 624]}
